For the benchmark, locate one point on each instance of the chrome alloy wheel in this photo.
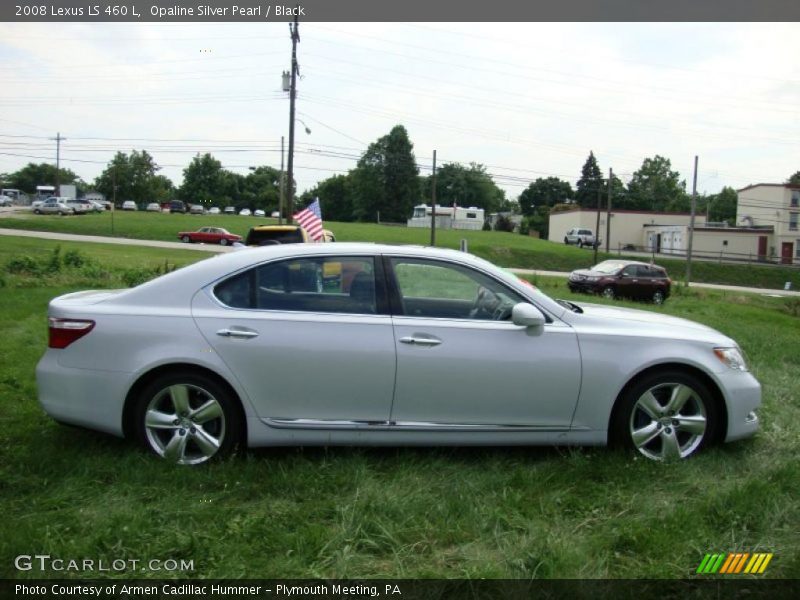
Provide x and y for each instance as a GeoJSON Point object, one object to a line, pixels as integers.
{"type": "Point", "coordinates": [668, 422]}
{"type": "Point", "coordinates": [185, 424]}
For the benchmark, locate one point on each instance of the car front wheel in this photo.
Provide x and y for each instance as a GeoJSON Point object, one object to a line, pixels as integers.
{"type": "Point", "coordinates": [223, 242]}
{"type": "Point", "coordinates": [187, 418]}
{"type": "Point", "coordinates": [666, 416]}
{"type": "Point", "coordinates": [608, 292]}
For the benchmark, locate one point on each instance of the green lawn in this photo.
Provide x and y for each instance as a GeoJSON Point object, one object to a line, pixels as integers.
{"type": "Point", "coordinates": [505, 249]}
{"type": "Point", "coordinates": [397, 512]}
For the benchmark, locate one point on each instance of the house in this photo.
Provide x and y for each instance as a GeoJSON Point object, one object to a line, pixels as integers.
{"type": "Point", "coordinates": [776, 206]}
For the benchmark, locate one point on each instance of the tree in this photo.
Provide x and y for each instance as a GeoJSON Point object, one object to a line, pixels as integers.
{"type": "Point", "coordinates": [135, 177]}
{"type": "Point", "coordinates": [335, 197]}
{"type": "Point", "coordinates": [655, 186]}
{"type": "Point", "coordinates": [203, 180]}
{"type": "Point", "coordinates": [794, 179]}
{"type": "Point", "coordinates": [31, 175]}
{"type": "Point", "coordinates": [385, 181]}
{"type": "Point", "coordinates": [722, 206]}
{"type": "Point", "coordinates": [261, 188]}
{"type": "Point", "coordinates": [591, 180]}
{"type": "Point", "coordinates": [544, 192]}
{"type": "Point", "coordinates": [465, 186]}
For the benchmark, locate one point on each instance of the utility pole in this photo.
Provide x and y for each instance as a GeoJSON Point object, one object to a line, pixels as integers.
{"type": "Point", "coordinates": [58, 139]}
{"type": "Point", "coordinates": [608, 211]}
{"type": "Point", "coordinates": [597, 227]}
{"type": "Point", "coordinates": [691, 226]}
{"type": "Point", "coordinates": [113, 196]}
{"type": "Point", "coordinates": [295, 33]}
{"type": "Point", "coordinates": [282, 189]}
{"type": "Point", "coordinates": [433, 200]}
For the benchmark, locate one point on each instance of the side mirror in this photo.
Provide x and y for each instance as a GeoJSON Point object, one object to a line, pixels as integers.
{"type": "Point", "coordinates": [527, 315]}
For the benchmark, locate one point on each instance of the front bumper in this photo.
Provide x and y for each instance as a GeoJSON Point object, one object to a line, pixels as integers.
{"type": "Point", "coordinates": [742, 398]}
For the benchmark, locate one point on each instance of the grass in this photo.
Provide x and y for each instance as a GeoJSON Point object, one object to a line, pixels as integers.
{"type": "Point", "coordinates": [396, 512]}
{"type": "Point", "coordinates": [505, 249]}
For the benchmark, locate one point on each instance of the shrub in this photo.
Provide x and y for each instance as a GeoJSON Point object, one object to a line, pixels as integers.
{"type": "Point", "coordinates": [23, 265]}
{"type": "Point", "coordinates": [54, 264]}
{"type": "Point", "coordinates": [74, 258]}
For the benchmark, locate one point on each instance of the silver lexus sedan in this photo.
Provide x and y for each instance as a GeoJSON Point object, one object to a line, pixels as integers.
{"type": "Point", "coordinates": [320, 344]}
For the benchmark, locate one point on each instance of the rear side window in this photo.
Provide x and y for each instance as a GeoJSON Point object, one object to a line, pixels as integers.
{"type": "Point", "coordinates": [316, 284]}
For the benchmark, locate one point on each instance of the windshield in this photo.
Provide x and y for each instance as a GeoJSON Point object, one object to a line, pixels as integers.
{"type": "Point", "coordinates": [608, 266]}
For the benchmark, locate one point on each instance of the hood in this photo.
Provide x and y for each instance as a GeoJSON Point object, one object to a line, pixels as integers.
{"type": "Point", "coordinates": [590, 273]}
{"type": "Point", "coordinates": [647, 323]}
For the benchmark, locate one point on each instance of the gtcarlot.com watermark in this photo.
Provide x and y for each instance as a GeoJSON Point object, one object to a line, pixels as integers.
{"type": "Point", "coordinates": [46, 562]}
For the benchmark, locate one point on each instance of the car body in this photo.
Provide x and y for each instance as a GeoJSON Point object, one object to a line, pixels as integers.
{"type": "Point", "coordinates": [263, 235]}
{"type": "Point", "coordinates": [275, 214]}
{"type": "Point", "coordinates": [229, 210]}
{"type": "Point", "coordinates": [209, 235]}
{"type": "Point", "coordinates": [153, 207]}
{"type": "Point", "coordinates": [214, 210]}
{"type": "Point", "coordinates": [177, 206]}
{"type": "Point", "coordinates": [623, 278]}
{"type": "Point", "coordinates": [197, 209]}
{"type": "Point", "coordinates": [6, 200]}
{"type": "Point", "coordinates": [54, 205]}
{"type": "Point", "coordinates": [421, 346]}
{"type": "Point", "coordinates": [259, 213]}
{"type": "Point", "coordinates": [328, 236]}
{"type": "Point", "coordinates": [580, 237]}
{"type": "Point", "coordinates": [81, 207]}
{"type": "Point", "coordinates": [245, 212]}
{"type": "Point", "coordinates": [129, 205]}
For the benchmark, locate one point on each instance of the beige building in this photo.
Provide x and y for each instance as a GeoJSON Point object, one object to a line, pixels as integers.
{"type": "Point", "coordinates": [628, 227]}
{"type": "Point", "coordinates": [732, 243]}
{"type": "Point", "coordinates": [774, 205]}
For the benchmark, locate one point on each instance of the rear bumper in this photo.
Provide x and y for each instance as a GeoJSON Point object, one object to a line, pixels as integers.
{"type": "Point", "coordinates": [85, 397]}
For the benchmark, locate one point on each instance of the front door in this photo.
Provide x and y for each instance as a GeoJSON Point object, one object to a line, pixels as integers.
{"type": "Point", "coordinates": [786, 253]}
{"type": "Point", "coordinates": [462, 362]}
{"type": "Point", "coordinates": [762, 247]}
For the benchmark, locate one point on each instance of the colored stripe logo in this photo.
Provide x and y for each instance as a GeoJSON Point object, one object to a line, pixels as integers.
{"type": "Point", "coordinates": [734, 563]}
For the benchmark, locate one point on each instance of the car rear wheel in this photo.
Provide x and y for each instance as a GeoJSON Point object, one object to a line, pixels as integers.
{"type": "Point", "coordinates": [185, 239]}
{"type": "Point", "coordinates": [666, 416]}
{"type": "Point", "coordinates": [566, 241]}
{"type": "Point", "coordinates": [608, 292]}
{"type": "Point", "coordinates": [187, 418]}
{"type": "Point", "coordinates": [658, 297]}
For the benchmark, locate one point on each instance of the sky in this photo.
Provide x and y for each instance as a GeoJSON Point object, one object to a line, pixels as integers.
{"type": "Point", "coordinates": [526, 100]}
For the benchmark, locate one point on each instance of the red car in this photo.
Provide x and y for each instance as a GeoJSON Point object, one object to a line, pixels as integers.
{"type": "Point", "coordinates": [209, 235]}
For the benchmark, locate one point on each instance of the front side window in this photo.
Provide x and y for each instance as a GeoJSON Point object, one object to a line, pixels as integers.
{"type": "Point", "coordinates": [314, 284]}
{"type": "Point", "coordinates": [433, 289]}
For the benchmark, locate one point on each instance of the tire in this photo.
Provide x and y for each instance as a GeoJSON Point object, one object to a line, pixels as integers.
{"type": "Point", "coordinates": [187, 418]}
{"type": "Point", "coordinates": [566, 241]}
{"type": "Point", "coordinates": [36, 211]}
{"type": "Point", "coordinates": [185, 239]}
{"type": "Point", "coordinates": [666, 416]}
{"type": "Point", "coordinates": [223, 242]}
{"type": "Point", "coordinates": [580, 243]}
{"type": "Point", "coordinates": [608, 292]}
{"type": "Point", "coordinates": [658, 297]}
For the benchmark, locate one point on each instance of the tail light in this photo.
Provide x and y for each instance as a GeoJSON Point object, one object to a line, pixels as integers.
{"type": "Point", "coordinates": [65, 331]}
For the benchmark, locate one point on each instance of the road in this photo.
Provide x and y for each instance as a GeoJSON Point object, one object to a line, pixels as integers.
{"type": "Point", "coordinates": [97, 239]}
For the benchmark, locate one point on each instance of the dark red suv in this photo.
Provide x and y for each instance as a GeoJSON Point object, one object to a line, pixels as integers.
{"type": "Point", "coordinates": [623, 278]}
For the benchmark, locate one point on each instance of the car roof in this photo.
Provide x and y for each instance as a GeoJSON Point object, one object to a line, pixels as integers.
{"type": "Point", "coordinates": [631, 262]}
{"type": "Point", "coordinates": [276, 227]}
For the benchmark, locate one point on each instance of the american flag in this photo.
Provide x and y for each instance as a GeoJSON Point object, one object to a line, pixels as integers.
{"type": "Point", "coordinates": [310, 219]}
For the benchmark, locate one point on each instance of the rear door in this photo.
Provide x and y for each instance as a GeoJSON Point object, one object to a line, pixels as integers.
{"type": "Point", "coordinates": [308, 352]}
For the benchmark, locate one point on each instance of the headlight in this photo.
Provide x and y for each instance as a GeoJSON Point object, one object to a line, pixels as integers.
{"type": "Point", "coordinates": [732, 358]}
{"type": "Point", "coordinates": [592, 279]}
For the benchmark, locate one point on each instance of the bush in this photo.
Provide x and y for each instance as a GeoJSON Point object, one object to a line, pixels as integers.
{"type": "Point", "coordinates": [487, 226]}
{"type": "Point", "coordinates": [525, 227]}
{"type": "Point", "coordinates": [54, 264]}
{"type": "Point", "coordinates": [503, 223]}
{"type": "Point", "coordinates": [23, 265]}
{"type": "Point", "coordinates": [74, 258]}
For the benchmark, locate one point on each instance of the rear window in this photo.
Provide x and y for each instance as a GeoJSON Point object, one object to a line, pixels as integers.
{"type": "Point", "coordinates": [264, 237]}
{"type": "Point", "coordinates": [585, 232]}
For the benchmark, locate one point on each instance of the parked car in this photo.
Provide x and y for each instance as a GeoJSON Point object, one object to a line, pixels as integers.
{"type": "Point", "coordinates": [389, 357]}
{"type": "Point", "coordinates": [580, 237]}
{"type": "Point", "coordinates": [6, 201]}
{"type": "Point", "coordinates": [153, 207]}
{"type": "Point", "coordinates": [328, 236]}
{"type": "Point", "coordinates": [214, 210]}
{"type": "Point", "coordinates": [259, 213]}
{"type": "Point", "coordinates": [54, 205]}
{"type": "Point", "coordinates": [275, 214]}
{"type": "Point", "coordinates": [245, 212]}
{"type": "Point", "coordinates": [197, 209]}
{"type": "Point", "coordinates": [623, 278]}
{"type": "Point", "coordinates": [177, 206]}
{"type": "Point", "coordinates": [209, 235]}
{"type": "Point", "coordinates": [230, 210]}
{"type": "Point", "coordinates": [80, 207]}
{"type": "Point", "coordinates": [264, 235]}
{"type": "Point", "coordinates": [129, 205]}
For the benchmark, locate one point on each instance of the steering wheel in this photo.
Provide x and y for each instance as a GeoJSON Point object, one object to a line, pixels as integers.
{"type": "Point", "coordinates": [503, 311]}
{"type": "Point", "coordinates": [485, 304]}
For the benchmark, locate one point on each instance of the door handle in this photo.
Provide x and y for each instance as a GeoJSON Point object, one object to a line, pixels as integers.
{"type": "Point", "coordinates": [416, 341]}
{"type": "Point", "coordinates": [238, 333]}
